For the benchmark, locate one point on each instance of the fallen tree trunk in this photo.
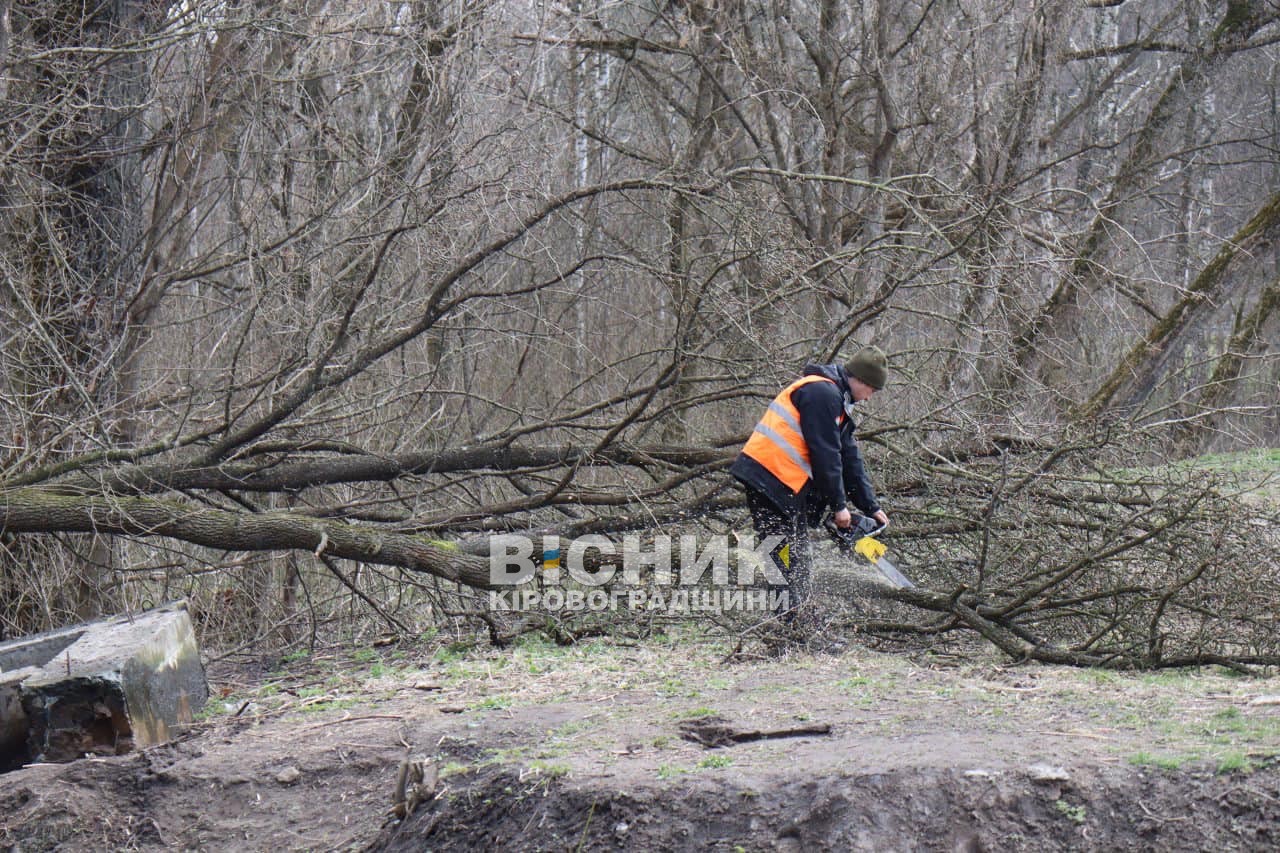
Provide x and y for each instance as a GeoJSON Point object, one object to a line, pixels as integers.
{"type": "Point", "coordinates": [41, 511]}
{"type": "Point", "coordinates": [1039, 549]}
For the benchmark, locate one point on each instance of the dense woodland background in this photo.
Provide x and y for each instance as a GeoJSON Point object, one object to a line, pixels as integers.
{"type": "Point", "coordinates": [301, 299]}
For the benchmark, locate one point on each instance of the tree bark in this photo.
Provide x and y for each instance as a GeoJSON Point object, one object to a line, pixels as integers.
{"type": "Point", "coordinates": [39, 511]}
{"type": "Point", "coordinates": [1185, 86]}
{"type": "Point", "coordinates": [1139, 369]}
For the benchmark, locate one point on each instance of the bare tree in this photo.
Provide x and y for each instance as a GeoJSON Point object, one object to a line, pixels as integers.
{"type": "Point", "coordinates": [372, 282]}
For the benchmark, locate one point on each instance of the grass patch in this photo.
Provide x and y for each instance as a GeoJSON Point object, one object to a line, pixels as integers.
{"type": "Point", "coordinates": [1238, 734]}
{"type": "Point", "coordinates": [1075, 814]}
{"type": "Point", "coordinates": [332, 705]}
{"type": "Point", "coordinates": [715, 761]}
{"type": "Point", "coordinates": [1227, 720]}
{"type": "Point", "coordinates": [1262, 461]}
{"type": "Point", "coordinates": [212, 709]}
{"type": "Point", "coordinates": [1099, 676]}
{"type": "Point", "coordinates": [453, 768]}
{"type": "Point", "coordinates": [1235, 762]}
{"type": "Point", "coordinates": [1163, 762]}
{"type": "Point", "coordinates": [673, 687]}
{"type": "Point", "coordinates": [1171, 677]}
{"type": "Point", "coordinates": [508, 755]}
{"type": "Point", "coordinates": [549, 769]}
{"type": "Point", "coordinates": [862, 689]}
{"type": "Point", "coordinates": [571, 728]}
{"type": "Point", "coordinates": [694, 713]}
{"type": "Point", "coordinates": [452, 652]}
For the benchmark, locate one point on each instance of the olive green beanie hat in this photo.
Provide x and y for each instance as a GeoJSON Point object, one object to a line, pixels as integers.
{"type": "Point", "coordinates": [870, 365]}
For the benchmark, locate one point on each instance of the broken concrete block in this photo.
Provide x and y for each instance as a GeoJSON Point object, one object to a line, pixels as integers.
{"type": "Point", "coordinates": [104, 688]}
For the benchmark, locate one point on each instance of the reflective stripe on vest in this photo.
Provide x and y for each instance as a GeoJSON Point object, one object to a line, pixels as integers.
{"type": "Point", "coordinates": [777, 443]}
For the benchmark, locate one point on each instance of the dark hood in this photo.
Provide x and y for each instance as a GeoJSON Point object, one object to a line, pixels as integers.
{"type": "Point", "coordinates": [834, 372]}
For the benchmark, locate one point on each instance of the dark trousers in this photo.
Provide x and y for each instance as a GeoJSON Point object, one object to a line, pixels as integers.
{"type": "Point", "coordinates": [791, 556]}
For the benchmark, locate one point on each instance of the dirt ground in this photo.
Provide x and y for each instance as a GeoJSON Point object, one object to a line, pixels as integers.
{"type": "Point", "coordinates": [542, 747]}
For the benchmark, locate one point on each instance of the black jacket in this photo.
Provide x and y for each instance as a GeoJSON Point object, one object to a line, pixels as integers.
{"type": "Point", "coordinates": [839, 476]}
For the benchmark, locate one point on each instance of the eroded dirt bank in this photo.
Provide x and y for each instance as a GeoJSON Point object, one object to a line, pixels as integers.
{"type": "Point", "coordinates": [550, 748]}
{"type": "Point", "coordinates": [914, 809]}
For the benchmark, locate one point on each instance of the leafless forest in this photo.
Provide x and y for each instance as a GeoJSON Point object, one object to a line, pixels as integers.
{"type": "Point", "coordinates": [302, 299]}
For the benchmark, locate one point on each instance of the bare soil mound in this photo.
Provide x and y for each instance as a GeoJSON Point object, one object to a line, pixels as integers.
{"type": "Point", "coordinates": [908, 809]}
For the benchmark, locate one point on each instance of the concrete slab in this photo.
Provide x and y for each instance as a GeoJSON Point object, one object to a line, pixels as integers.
{"type": "Point", "coordinates": [104, 688]}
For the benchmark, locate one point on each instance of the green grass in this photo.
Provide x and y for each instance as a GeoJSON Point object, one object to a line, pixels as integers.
{"type": "Point", "coordinates": [1228, 720]}
{"type": "Point", "coordinates": [1169, 677]}
{"type": "Point", "coordinates": [671, 771]}
{"type": "Point", "coordinates": [1164, 762]}
{"type": "Point", "coordinates": [1260, 468]}
{"type": "Point", "coordinates": [549, 769]}
{"type": "Point", "coordinates": [1261, 461]}
{"type": "Point", "coordinates": [694, 713]}
{"type": "Point", "coordinates": [715, 761]}
{"type": "Point", "coordinates": [332, 705]}
{"type": "Point", "coordinates": [1238, 732]}
{"type": "Point", "coordinates": [1099, 676]}
{"type": "Point", "coordinates": [364, 656]}
{"type": "Point", "coordinates": [572, 727]}
{"type": "Point", "coordinates": [1075, 814]}
{"type": "Point", "coordinates": [212, 709]}
{"type": "Point", "coordinates": [509, 755]}
{"type": "Point", "coordinates": [1235, 762]}
{"type": "Point", "coordinates": [862, 689]}
{"type": "Point", "coordinates": [452, 652]}
{"type": "Point", "coordinates": [453, 768]}
{"type": "Point", "coordinates": [672, 687]}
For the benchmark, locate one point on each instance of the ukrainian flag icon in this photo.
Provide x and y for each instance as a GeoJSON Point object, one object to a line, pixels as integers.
{"type": "Point", "coordinates": [551, 559]}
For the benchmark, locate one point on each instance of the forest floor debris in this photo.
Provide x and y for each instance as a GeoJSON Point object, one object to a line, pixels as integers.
{"type": "Point", "coordinates": [556, 746]}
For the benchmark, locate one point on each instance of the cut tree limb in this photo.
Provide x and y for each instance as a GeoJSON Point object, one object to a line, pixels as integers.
{"type": "Point", "coordinates": [714, 731]}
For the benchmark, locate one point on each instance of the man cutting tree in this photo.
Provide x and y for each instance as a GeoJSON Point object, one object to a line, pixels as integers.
{"type": "Point", "coordinates": [801, 461]}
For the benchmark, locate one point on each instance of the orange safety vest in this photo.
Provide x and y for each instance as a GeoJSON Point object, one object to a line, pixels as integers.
{"type": "Point", "coordinates": [777, 443]}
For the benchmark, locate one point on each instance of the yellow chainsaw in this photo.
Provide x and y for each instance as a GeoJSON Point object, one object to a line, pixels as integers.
{"type": "Point", "coordinates": [860, 537]}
